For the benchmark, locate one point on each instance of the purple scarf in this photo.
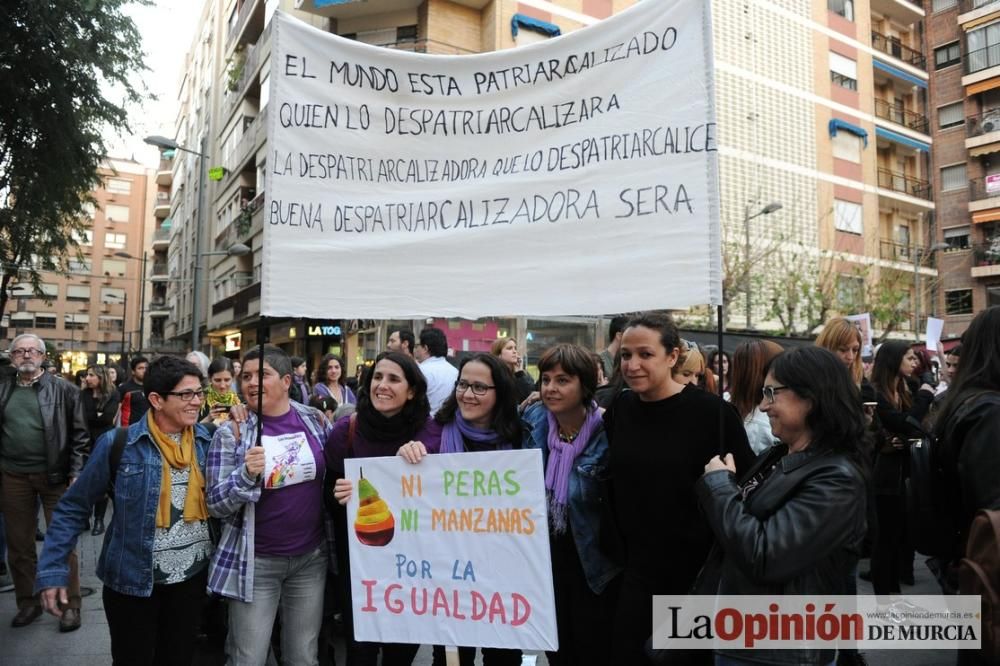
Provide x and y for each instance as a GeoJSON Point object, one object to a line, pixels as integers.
{"type": "Point", "coordinates": [452, 435]}
{"type": "Point", "coordinates": [562, 455]}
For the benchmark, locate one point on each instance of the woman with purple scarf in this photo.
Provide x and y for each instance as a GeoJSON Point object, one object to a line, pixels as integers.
{"type": "Point", "coordinates": [567, 426]}
{"type": "Point", "coordinates": [479, 416]}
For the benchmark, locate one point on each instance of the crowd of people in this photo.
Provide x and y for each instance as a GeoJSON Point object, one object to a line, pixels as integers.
{"type": "Point", "coordinates": [668, 469]}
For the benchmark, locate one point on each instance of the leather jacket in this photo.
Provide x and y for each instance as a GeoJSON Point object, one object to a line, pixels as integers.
{"type": "Point", "coordinates": [66, 433]}
{"type": "Point", "coordinates": [798, 533]}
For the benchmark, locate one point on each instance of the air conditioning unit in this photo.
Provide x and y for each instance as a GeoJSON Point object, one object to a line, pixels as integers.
{"type": "Point", "coordinates": [991, 120]}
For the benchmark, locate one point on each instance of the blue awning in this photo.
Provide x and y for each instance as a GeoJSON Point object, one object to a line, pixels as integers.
{"type": "Point", "coordinates": [900, 138]}
{"type": "Point", "coordinates": [522, 21]}
{"type": "Point", "coordinates": [889, 69]}
{"type": "Point", "coordinates": [837, 124]}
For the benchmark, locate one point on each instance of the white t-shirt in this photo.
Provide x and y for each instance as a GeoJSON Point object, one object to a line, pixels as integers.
{"type": "Point", "coordinates": [441, 377]}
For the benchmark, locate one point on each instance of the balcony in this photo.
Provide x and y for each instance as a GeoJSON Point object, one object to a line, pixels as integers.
{"type": "Point", "coordinates": [248, 10]}
{"type": "Point", "coordinates": [893, 47]}
{"type": "Point", "coordinates": [431, 46]}
{"type": "Point", "coordinates": [986, 259]}
{"type": "Point", "coordinates": [903, 11]}
{"type": "Point", "coordinates": [984, 188]}
{"type": "Point", "coordinates": [164, 176]}
{"type": "Point", "coordinates": [894, 114]}
{"type": "Point", "coordinates": [161, 238]}
{"type": "Point", "coordinates": [980, 59]}
{"type": "Point", "coordinates": [899, 182]}
{"type": "Point", "coordinates": [976, 11]}
{"type": "Point", "coordinates": [239, 302]}
{"type": "Point", "coordinates": [893, 251]}
{"type": "Point", "coordinates": [253, 137]}
{"type": "Point", "coordinates": [159, 271]}
{"type": "Point", "coordinates": [982, 133]}
{"type": "Point", "coordinates": [253, 57]}
{"type": "Point", "coordinates": [161, 208]}
{"type": "Point", "coordinates": [161, 344]}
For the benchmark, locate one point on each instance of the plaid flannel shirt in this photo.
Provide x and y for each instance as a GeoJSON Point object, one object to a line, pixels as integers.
{"type": "Point", "coordinates": [232, 497]}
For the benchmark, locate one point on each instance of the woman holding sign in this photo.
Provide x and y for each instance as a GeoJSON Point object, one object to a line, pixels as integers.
{"type": "Point", "coordinates": [275, 536]}
{"type": "Point", "coordinates": [659, 446]}
{"type": "Point", "coordinates": [392, 412]}
{"type": "Point", "coordinates": [479, 416]}
{"type": "Point", "coordinates": [568, 429]}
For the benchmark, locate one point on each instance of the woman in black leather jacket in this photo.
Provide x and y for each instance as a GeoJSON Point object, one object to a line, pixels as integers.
{"type": "Point", "coordinates": [795, 524]}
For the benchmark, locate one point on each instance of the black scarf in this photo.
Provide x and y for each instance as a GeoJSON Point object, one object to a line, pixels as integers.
{"type": "Point", "coordinates": [377, 428]}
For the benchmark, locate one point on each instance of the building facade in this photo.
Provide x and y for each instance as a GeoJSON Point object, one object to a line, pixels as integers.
{"type": "Point", "coordinates": [91, 314]}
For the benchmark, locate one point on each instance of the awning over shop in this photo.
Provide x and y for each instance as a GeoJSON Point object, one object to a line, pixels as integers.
{"type": "Point", "coordinates": [991, 215]}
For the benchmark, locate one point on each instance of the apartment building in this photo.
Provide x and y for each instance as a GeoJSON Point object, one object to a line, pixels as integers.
{"type": "Point", "coordinates": [825, 149]}
{"type": "Point", "coordinates": [92, 313]}
{"type": "Point", "coordinates": [963, 43]}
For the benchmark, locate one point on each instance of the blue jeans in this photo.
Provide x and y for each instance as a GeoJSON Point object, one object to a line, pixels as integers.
{"type": "Point", "coordinates": [296, 585]}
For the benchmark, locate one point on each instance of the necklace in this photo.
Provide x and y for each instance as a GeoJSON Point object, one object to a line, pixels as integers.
{"type": "Point", "coordinates": [567, 436]}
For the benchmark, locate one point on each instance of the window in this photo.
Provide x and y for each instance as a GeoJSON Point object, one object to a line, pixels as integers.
{"type": "Point", "coordinates": [24, 290]}
{"type": "Point", "coordinates": [957, 238]}
{"type": "Point", "coordinates": [113, 213]}
{"type": "Point", "coordinates": [114, 241]}
{"type": "Point", "coordinates": [850, 291]}
{"type": "Point", "coordinates": [947, 55]}
{"type": "Point", "coordinates": [958, 301]}
{"type": "Point", "coordinates": [83, 237]}
{"type": "Point", "coordinates": [406, 33]}
{"type": "Point", "coordinates": [847, 146]}
{"type": "Point", "coordinates": [81, 267]}
{"type": "Point", "coordinates": [109, 323]}
{"type": "Point", "coordinates": [843, 71]}
{"type": "Point", "coordinates": [843, 7]}
{"type": "Point", "coordinates": [76, 322]}
{"type": "Point", "coordinates": [22, 319]}
{"type": "Point", "coordinates": [88, 209]}
{"type": "Point", "coordinates": [939, 5]}
{"type": "Point", "coordinates": [45, 321]}
{"type": "Point", "coordinates": [77, 293]}
{"type": "Point", "coordinates": [953, 177]}
{"type": "Point", "coordinates": [951, 115]}
{"type": "Point", "coordinates": [980, 48]}
{"type": "Point", "coordinates": [113, 267]}
{"type": "Point", "coordinates": [847, 216]}
{"type": "Point", "coordinates": [119, 186]}
{"type": "Point", "coordinates": [112, 295]}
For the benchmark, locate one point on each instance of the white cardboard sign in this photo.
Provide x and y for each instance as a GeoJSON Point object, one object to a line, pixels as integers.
{"type": "Point", "coordinates": [452, 551]}
{"type": "Point", "coordinates": [573, 176]}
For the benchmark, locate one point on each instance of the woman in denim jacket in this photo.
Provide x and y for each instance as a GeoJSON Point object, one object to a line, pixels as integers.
{"type": "Point", "coordinates": [154, 562]}
{"type": "Point", "coordinates": [568, 429]}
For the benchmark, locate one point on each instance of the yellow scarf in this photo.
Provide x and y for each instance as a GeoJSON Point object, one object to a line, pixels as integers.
{"type": "Point", "coordinates": [178, 457]}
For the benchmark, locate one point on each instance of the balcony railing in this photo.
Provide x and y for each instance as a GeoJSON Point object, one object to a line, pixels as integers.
{"type": "Point", "coordinates": [893, 251]}
{"type": "Point", "coordinates": [899, 182]}
{"type": "Point", "coordinates": [911, 119]}
{"type": "Point", "coordinates": [161, 234]}
{"type": "Point", "coordinates": [427, 46]}
{"type": "Point", "coordinates": [986, 254]}
{"type": "Point", "coordinates": [984, 188]}
{"type": "Point", "coordinates": [969, 5]}
{"type": "Point", "coordinates": [163, 198]}
{"type": "Point", "coordinates": [895, 48]}
{"type": "Point", "coordinates": [983, 123]}
{"type": "Point", "coordinates": [980, 59]}
{"type": "Point", "coordinates": [241, 19]}
{"type": "Point", "coordinates": [159, 269]}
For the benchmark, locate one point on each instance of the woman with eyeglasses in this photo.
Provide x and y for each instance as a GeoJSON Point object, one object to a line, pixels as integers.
{"type": "Point", "coordinates": [794, 524]}
{"type": "Point", "coordinates": [567, 427]}
{"type": "Point", "coordinates": [392, 414]}
{"type": "Point", "coordinates": [898, 421]}
{"type": "Point", "coordinates": [479, 416]}
{"type": "Point", "coordinates": [659, 444]}
{"type": "Point", "coordinates": [750, 360]}
{"type": "Point", "coordinates": [100, 407]}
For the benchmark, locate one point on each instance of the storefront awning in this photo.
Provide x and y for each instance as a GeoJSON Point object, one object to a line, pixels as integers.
{"type": "Point", "coordinates": [991, 215]}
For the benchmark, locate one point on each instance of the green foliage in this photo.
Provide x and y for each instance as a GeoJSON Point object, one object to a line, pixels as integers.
{"type": "Point", "coordinates": [234, 69]}
{"type": "Point", "coordinates": [55, 57]}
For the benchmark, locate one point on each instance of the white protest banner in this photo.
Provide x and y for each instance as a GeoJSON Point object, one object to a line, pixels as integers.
{"type": "Point", "coordinates": [452, 551]}
{"type": "Point", "coordinates": [572, 176]}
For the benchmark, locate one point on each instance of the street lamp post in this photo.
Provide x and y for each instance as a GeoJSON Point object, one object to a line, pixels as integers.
{"type": "Point", "coordinates": [918, 255]}
{"type": "Point", "coordinates": [766, 210]}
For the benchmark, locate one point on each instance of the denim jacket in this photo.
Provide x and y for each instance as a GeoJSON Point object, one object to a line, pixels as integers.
{"type": "Point", "coordinates": [584, 499]}
{"type": "Point", "coordinates": [126, 562]}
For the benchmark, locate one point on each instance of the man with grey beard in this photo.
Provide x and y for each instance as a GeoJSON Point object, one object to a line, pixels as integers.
{"type": "Point", "coordinates": [43, 440]}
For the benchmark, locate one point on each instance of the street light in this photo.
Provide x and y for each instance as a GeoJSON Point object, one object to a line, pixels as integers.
{"type": "Point", "coordinates": [918, 255]}
{"type": "Point", "coordinates": [202, 153]}
{"type": "Point", "coordinates": [766, 210]}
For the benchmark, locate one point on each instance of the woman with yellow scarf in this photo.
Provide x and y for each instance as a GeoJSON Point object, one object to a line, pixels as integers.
{"type": "Point", "coordinates": [154, 564]}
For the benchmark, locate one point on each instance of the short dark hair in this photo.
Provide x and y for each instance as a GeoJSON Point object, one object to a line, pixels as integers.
{"type": "Point", "coordinates": [416, 411]}
{"type": "Point", "coordinates": [955, 351]}
{"type": "Point", "coordinates": [220, 364]}
{"type": "Point", "coordinates": [297, 361]}
{"type": "Point", "coordinates": [273, 356]}
{"type": "Point", "coordinates": [136, 360]}
{"type": "Point", "coordinates": [406, 335]}
{"type": "Point", "coordinates": [616, 326]}
{"type": "Point", "coordinates": [166, 372]}
{"type": "Point", "coordinates": [575, 362]}
{"type": "Point", "coordinates": [836, 420]}
{"type": "Point", "coordinates": [435, 341]}
{"type": "Point", "coordinates": [670, 337]}
{"type": "Point", "coordinates": [505, 422]}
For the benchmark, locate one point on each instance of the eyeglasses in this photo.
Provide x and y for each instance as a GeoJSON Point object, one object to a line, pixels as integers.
{"type": "Point", "coordinates": [769, 391]}
{"type": "Point", "coordinates": [187, 396]}
{"type": "Point", "coordinates": [478, 388]}
{"type": "Point", "coordinates": [26, 352]}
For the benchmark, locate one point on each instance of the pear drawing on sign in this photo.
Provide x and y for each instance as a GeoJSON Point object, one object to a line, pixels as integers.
{"type": "Point", "coordinates": [374, 524]}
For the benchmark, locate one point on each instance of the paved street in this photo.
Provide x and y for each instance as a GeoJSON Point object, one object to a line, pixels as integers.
{"type": "Point", "coordinates": [41, 644]}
